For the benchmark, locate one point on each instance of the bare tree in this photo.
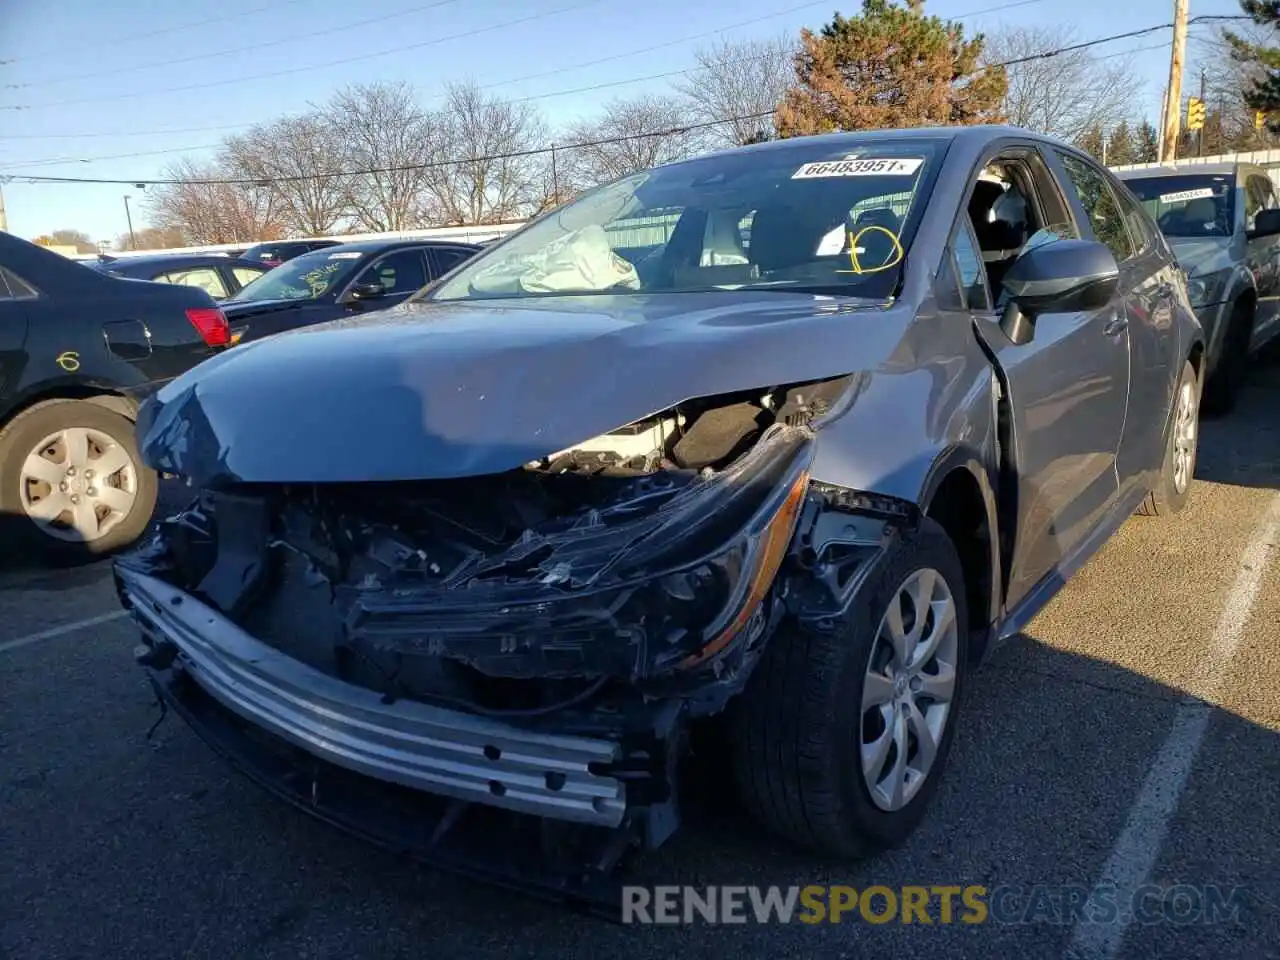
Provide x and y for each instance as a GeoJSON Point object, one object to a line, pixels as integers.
{"type": "Point", "coordinates": [301, 157]}
{"type": "Point", "coordinates": [740, 79]}
{"type": "Point", "coordinates": [212, 212]}
{"type": "Point", "coordinates": [387, 139]}
{"type": "Point", "coordinates": [1228, 80]}
{"type": "Point", "coordinates": [1066, 95]}
{"type": "Point", "coordinates": [152, 238]}
{"type": "Point", "coordinates": [484, 166]}
{"type": "Point", "coordinates": [629, 136]}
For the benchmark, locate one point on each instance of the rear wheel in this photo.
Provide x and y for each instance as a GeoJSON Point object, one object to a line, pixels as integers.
{"type": "Point", "coordinates": [72, 484]}
{"type": "Point", "coordinates": [841, 737]}
{"type": "Point", "coordinates": [1173, 488]}
{"type": "Point", "coordinates": [1223, 387]}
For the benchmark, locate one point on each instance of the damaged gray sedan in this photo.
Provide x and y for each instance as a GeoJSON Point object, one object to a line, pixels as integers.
{"type": "Point", "coordinates": [791, 435]}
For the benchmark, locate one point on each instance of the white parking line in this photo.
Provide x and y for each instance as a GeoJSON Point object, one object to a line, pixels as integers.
{"type": "Point", "coordinates": [1144, 832]}
{"type": "Point", "coordinates": [55, 632]}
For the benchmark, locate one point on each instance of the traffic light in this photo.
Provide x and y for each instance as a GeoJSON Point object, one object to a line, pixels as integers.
{"type": "Point", "coordinates": [1195, 113]}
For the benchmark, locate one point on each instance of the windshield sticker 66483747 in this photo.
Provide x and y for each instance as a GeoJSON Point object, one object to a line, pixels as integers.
{"type": "Point", "coordinates": [866, 167]}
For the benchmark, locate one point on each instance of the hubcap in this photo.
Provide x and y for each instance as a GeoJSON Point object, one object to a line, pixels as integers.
{"type": "Point", "coordinates": [908, 689]}
{"type": "Point", "coordinates": [78, 484]}
{"type": "Point", "coordinates": [1184, 438]}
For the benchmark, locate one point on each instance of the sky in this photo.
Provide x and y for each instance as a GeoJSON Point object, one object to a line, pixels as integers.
{"type": "Point", "coordinates": [119, 90]}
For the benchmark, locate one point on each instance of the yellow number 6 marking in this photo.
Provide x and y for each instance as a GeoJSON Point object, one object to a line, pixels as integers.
{"type": "Point", "coordinates": [69, 361]}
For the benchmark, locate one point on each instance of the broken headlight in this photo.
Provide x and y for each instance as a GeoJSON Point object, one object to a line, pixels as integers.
{"type": "Point", "coordinates": [717, 548]}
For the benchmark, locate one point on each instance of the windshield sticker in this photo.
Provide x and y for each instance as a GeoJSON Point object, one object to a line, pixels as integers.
{"type": "Point", "coordinates": [346, 255]}
{"type": "Point", "coordinates": [1198, 194]}
{"type": "Point", "coordinates": [877, 167]}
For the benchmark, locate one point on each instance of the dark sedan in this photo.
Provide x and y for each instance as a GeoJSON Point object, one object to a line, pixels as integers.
{"type": "Point", "coordinates": [218, 276]}
{"type": "Point", "coordinates": [79, 349]}
{"type": "Point", "coordinates": [467, 577]}
{"type": "Point", "coordinates": [340, 281]}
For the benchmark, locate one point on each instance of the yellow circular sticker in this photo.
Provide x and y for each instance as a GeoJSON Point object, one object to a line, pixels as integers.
{"type": "Point", "coordinates": [69, 361]}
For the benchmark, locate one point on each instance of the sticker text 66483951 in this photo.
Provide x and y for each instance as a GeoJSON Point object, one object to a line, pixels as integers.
{"type": "Point", "coordinates": [866, 167]}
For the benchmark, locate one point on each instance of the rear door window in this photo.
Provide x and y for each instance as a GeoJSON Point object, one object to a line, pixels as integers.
{"type": "Point", "coordinates": [399, 272]}
{"type": "Point", "coordinates": [1100, 205]}
{"type": "Point", "coordinates": [206, 278]}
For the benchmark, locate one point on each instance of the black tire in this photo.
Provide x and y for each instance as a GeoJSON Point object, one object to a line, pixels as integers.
{"type": "Point", "coordinates": [796, 732]}
{"type": "Point", "coordinates": [20, 437]}
{"type": "Point", "coordinates": [1222, 389]}
{"type": "Point", "coordinates": [1166, 499]}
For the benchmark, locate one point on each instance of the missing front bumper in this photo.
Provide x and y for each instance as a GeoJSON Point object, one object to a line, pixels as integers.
{"type": "Point", "coordinates": [439, 751]}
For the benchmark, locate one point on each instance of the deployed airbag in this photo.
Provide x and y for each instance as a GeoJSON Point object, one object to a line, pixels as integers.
{"type": "Point", "coordinates": [581, 260]}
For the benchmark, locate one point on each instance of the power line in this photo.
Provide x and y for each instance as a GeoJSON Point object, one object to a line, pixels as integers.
{"type": "Point", "coordinates": [263, 181]}
{"type": "Point", "coordinates": [292, 38]}
{"type": "Point", "coordinates": [505, 25]}
{"type": "Point", "coordinates": [393, 50]}
{"type": "Point", "coordinates": [97, 45]}
{"type": "Point", "coordinates": [501, 83]}
{"type": "Point", "coordinates": [435, 164]}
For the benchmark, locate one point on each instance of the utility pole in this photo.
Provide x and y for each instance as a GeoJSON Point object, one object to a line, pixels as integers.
{"type": "Point", "coordinates": [128, 218]}
{"type": "Point", "coordinates": [4, 222]}
{"type": "Point", "coordinates": [1173, 112]}
{"type": "Point", "coordinates": [1200, 132]}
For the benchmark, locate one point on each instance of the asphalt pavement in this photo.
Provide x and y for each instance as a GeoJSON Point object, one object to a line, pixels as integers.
{"type": "Point", "coordinates": [1131, 736]}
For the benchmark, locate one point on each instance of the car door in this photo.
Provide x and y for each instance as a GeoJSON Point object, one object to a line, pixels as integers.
{"type": "Point", "coordinates": [1262, 258]}
{"type": "Point", "coordinates": [400, 273]}
{"type": "Point", "coordinates": [14, 295]}
{"type": "Point", "coordinates": [1150, 277]}
{"type": "Point", "coordinates": [1066, 395]}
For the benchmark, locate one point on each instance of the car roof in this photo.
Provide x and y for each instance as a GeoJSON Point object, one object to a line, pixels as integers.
{"type": "Point", "coordinates": [379, 246]}
{"type": "Point", "coordinates": [981, 133]}
{"type": "Point", "coordinates": [165, 259]}
{"type": "Point", "coordinates": [1229, 168]}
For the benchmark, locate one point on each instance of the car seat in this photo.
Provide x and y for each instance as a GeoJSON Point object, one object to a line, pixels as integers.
{"type": "Point", "coordinates": [1000, 224]}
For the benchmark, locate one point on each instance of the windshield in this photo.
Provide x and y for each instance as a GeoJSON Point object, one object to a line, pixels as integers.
{"type": "Point", "coordinates": [796, 217]}
{"type": "Point", "coordinates": [1200, 205]}
{"type": "Point", "coordinates": [307, 277]}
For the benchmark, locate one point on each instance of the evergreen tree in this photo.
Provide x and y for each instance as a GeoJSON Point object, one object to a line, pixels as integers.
{"type": "Point", "coordinates": [1120, 145]}
{"type": "Point", "coordinates": [891, 66]}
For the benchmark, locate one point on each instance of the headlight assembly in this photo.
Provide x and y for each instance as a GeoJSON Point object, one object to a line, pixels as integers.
{"type": "Point", "coordinates": [1207, 288]}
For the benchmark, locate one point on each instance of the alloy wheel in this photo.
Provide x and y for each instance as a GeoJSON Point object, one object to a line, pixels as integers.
{"type": "Point", "coordinates": [1184, 437]}
{"type": "Point", "coordinates": [908, 689]}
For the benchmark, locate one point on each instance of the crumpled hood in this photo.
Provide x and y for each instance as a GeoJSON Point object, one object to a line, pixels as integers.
{"type": "Point", "coordinates": [437, 390]}
{"type": "Point", "coordinates": [1201, 255]}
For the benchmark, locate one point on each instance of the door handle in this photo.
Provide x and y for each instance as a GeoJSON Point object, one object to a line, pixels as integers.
{"type": "Point", "coordinates": [1117, 325]}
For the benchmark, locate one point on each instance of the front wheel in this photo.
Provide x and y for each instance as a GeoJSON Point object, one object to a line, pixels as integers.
{"type": "Point", "coordinates": [72, 484]}
{"type": "Point", "coordinates": [841, 737]}
{"type": "Point", "coordinates": [1173, 487]}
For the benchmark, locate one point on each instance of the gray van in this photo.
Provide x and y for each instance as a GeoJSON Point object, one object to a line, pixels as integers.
{"type": "Point", "coordinates": [1222, 221]}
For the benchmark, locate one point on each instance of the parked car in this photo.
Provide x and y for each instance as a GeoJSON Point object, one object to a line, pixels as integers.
{"type": "Point", "coordinates": [217, 275]}
{"type": "Point", "coordinates": [79, 350]}
{"type": "Point", "coordinates": [339, 281]}
{"type": "Point", "coordinates": [1223, 224]}
{"type": "Point", "coordinates": [461, 576]}
{"type": "Point", "coordinates": [275, 252]}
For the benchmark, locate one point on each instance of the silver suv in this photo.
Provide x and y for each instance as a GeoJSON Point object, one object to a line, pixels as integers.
{"type": "Point", "coordinates": [1223, 225]}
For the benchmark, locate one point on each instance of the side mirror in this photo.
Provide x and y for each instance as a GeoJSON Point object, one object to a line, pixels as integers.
{"type": "Point", "coordinates": [1064, 276]}
{"type": "Point", "coordinates": [364, 291]}
{"type": "Point", "coordinates": [1266, 224]}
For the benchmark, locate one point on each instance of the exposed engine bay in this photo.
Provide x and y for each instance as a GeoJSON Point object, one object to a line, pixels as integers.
{"type": "Point", "coordinates": [611, 592]}
{"type": "Point", "coordinates": [612, 560]}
